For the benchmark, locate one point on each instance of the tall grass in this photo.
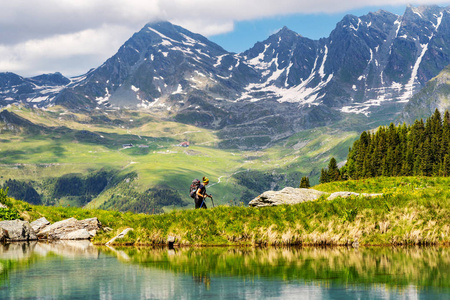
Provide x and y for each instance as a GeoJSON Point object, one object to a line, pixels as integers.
{"type": "Point", "coordinates": [411, 211]}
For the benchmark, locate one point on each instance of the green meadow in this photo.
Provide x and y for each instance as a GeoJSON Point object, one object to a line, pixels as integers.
{"type": "Point", "coordinates": [81, 144]}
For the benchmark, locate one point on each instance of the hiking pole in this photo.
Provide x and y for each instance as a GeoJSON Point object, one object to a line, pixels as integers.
{"type": "Point", "coordinates": [212, 200]}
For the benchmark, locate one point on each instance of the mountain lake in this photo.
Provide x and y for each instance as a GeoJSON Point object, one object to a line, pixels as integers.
{"type": "Point", "coordinates": [80, 270]}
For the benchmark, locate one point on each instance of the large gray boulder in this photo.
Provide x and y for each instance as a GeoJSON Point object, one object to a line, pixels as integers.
{"type": "Point", "coordinates": [71, 229]}
{"type": "Point", "coordinates": [39, 224]}
{"type": "Point", "coordinates": [18, 230]}
{"type": "Point", "coordinates": [3, 235]}
{"type": "Point", "coordinates": [287, 195]}
{"type": "Point", "coordinates": [291, 196]}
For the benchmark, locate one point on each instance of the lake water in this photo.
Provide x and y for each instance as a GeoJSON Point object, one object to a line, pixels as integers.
{"type": "Point", "coordinates": [79, 270]}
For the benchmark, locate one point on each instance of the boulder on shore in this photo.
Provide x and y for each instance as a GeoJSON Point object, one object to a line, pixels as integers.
{"type": "Point", "coordinates": [17, 230]}
{"type": "Point", "coordinates": [70, 229]}
{"type": "Point", "coordinates": [287, 195]}
{"type": "Point", "coordinates": [39, 224]}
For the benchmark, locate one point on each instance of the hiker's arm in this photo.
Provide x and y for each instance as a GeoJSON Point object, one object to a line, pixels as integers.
{"type": "Point", "coordinates": [198, 193]}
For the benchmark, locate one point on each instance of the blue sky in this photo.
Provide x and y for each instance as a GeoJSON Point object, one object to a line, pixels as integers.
{"type": "Point", "coordinates": [313, 26]}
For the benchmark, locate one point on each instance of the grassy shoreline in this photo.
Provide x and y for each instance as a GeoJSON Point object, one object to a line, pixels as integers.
{"type": "Point", "coordinates": [412, 211]}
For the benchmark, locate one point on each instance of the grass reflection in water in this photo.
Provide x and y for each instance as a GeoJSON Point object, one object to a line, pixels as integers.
{"type": "Point", "coordinates": [395, 268]}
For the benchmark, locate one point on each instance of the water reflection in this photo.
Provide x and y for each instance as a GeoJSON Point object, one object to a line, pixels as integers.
{"type": "Point", "coordinates": [78, 269]}
{"type": "Point", "coordinates": [394, 267]}
{"type": "Point", "coordinates": [69, 249]}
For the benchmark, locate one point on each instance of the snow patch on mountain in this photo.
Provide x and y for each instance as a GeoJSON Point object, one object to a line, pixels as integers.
{"type": "Point", "coordinates": [164, 37]}
{"type": "Point", "coordinates": [219, 60]}
{"type": "Point", "coordinates": [322, 66]}
{"type": "Point", "coordinates": [258, 61]}
{"type": "Point", "coordinates": [102, 100]}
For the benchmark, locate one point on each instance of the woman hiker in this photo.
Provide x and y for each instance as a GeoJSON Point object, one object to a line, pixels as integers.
{"type": "Point", "coordinates": [201, 194]}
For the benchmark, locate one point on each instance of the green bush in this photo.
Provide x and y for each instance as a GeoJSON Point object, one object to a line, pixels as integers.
{"type": "Point", "coordinates": [9, 214]}
{"type": "Point", "coordinates": [4, 199]}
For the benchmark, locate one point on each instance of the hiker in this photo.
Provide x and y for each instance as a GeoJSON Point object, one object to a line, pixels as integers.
{"type": "Point", "coordinates": [201, 194]}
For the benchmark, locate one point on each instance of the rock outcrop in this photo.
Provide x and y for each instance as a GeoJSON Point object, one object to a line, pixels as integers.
{"type": "Point", "coordinates": [39, 224]}
{"type": "Point", "coordinates": [287, 195]}
{"type": "Point", "coordinates": [69, 229]}
{"type": "Point", "coordinates": [17, 230]}
{"type": "Point", "coordinates": [291, 196]}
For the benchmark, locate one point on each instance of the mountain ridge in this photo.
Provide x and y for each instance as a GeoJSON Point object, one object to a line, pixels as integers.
{"type": "Point", "coordinates": [369, 65]}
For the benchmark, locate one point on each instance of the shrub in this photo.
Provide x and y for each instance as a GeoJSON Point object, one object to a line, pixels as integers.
{"type": "Point", "coordinates": [9, 214]}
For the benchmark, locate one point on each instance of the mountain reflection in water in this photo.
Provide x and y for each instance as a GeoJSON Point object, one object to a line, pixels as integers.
{"type": "Point", "coordinates": [77, 269]}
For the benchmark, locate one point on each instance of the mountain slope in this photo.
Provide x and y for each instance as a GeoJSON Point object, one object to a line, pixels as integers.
{"type": "Point", "coordinates": [435, 95]}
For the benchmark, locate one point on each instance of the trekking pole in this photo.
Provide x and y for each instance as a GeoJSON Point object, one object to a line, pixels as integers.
{"type": "Point", "coordinates": [212, 201]}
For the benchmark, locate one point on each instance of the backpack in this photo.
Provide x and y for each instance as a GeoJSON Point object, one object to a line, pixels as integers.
{"type": "Point", "coordinates": [194, 187]}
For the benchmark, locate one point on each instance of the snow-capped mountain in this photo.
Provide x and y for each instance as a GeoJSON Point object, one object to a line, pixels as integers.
{"type": "Point", "coordinates": [14, 88]}
{"type": "Point", "coordinates": [369, 65]}
{"type": "Point", "coordinates": [156, 67]}
{"type": "Point", "coordinates": [380, 57]}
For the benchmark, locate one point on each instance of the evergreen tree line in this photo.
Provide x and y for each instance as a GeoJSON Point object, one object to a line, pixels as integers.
{"type": "Point", "coordinates": [420, 149]}
{"type": "Point", "coordinates": [150, 201]}
{"type": "Point", "coordinates": [22, 190]}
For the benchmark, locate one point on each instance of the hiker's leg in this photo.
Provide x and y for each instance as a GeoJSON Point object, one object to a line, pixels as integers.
{"type": "Point", "coordinates": [198, 202]}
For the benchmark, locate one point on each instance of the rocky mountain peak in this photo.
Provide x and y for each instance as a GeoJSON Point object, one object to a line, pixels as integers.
{"type": "Point", "coordinates": [51, 79]}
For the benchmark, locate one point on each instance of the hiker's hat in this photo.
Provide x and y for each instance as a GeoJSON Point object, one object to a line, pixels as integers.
{"type": "Point", "coordinates": [205, 180]}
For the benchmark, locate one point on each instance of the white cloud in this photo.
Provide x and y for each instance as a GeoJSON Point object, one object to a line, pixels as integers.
{"type": "Point", "coordinates": [72, 53]}
{"type": "Point", "coordinates": [72, 36]}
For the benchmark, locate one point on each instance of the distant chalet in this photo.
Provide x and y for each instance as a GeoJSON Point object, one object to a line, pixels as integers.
{"type": "Point", "coordinates": [183, 144]}
{"type": "Point", "coordinates": [126, 146]}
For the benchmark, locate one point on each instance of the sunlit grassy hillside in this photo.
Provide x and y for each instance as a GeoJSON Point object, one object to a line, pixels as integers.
{"type": "Point", "coordinates": [81, 144]}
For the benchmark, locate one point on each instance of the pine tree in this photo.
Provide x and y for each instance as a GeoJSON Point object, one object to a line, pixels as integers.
{"type": "Point", "coordinates": [363, 147]}
{"type": "Point", "coordinates": [408, 163]}
{"type": "Point", "coordinates": [352, 160]}
{"type": "Point", "coordinates": [333, 171]}
{"type": "Point", "coordinates": [445, 141]}
{"type": "Point", "coordinates": [304, 183]}
{"type": "Point", "coordinates": [426, 165]}
{"type": "Point", "coordinates": [350, 169]}
{"type": "Point", "coordinates": [388, 170]}
{"type": "Point", "coordinates": [323, 176]}
{"type": "Point", "coordinates": [446, 165]}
